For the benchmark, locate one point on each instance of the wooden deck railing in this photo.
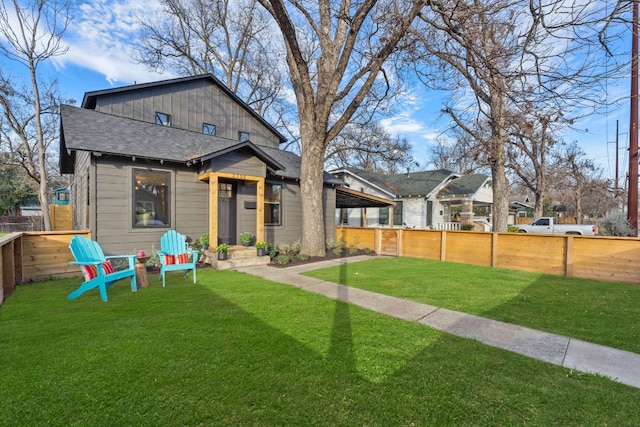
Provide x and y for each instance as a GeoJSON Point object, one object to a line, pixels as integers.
{"type": "Point", "coordinates": [599, 257]}
{"type": "Point", "coordinates": [31, 256]}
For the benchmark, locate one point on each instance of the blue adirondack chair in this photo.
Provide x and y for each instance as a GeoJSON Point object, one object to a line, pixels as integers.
{"type": "Point", "coordinates": [174, 255]}
{"type": "Point", "coordinates": [96, 267]}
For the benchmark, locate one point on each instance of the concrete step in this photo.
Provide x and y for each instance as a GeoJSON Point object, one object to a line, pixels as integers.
{"type": "Point", "coordinates": [238, 256]}
{"type": "Point", "coordinates": [232, 263]}
{"type": "Point", "coordinates": [238, 251]}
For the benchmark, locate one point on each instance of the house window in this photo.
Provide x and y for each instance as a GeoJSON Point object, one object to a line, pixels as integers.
{"type": "Point", "coordinates": [150, 198]}
{"type": "Point", "coordinates": [344, 216]}
{"type": "Point", "coordinates": [243, 136]}
{"type": "Point", "coordinates": [397, 213]}
{"type": "Point", "coordinates": [163, 119]}
{"type": "Point", "coordinates": [272, 204]}
{"type": "Point", "coordinates": [208, 129]}
{"type": "Point", "coordinates": [383, 216]}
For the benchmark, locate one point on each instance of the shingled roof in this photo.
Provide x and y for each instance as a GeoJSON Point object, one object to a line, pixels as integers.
{"type": "Point", "coordinates": [89, 130]}
{"type": "Point", "coordinates": [464, 186]}
{"type": "Point", "coordinates": [406, 184]}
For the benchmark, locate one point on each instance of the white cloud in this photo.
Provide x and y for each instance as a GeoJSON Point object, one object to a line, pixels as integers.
{"type": "Point", "coordinates": [100, 38]}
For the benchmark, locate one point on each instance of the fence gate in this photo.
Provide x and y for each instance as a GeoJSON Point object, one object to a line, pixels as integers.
{"type": "Point", "coordinates": [389, 242]}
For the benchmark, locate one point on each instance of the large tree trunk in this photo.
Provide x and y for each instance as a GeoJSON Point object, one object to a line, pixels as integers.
{"type": "Point", "coordinates": [311, 187]}
{"type": "Point", "coordinates": [501, 191]}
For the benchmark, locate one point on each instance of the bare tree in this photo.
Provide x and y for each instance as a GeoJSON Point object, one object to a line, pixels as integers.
{"type": "Point", "coordinates": [529, 149]}
{"type": "Point", "coordinates": [335, 53]}
{"type": "Point", "coordinates": [370, 147]}
{"type": "Point", "coordinates": [32, 35]}
{"type": "Point", "coordinates": [500, 57]}
{"type": "Point", "coordinates": [460, 154]}
{"type": "Point", "coordinates": [580, 187]}
{"type": "Point", "coordinates": [230, 39]}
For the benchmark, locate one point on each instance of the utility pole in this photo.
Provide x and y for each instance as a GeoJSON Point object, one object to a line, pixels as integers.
{"type": "Point", "coordinates": [632, 205]}
{"type": "Point", "coordinates": [616, 188]}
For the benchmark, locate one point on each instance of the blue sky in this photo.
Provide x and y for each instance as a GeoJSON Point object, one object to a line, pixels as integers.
{"type": "Point", "coordinates": [99, 57]}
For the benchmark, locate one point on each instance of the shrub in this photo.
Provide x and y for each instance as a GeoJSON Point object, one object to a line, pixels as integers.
{"type": "Point", "coordinates": [271, 249]}
{"type": "Point", "coordinates": [353, 250]}
{"type": "Point", "coordinates": [330, 244]}
{"type": "Point", "coordinates": [296, 246]}
{"type": "Point", "coordinates": [615, 224]}
{"type": "Point", "coordinates": [467, 227]}
{"type": "Point", "coordinates": [283, 259]}
{"type": "Point", "coordinates": [512, 229]}
{"type": "Point", "coordinates": [303, 257]}
{"type": "Point", "coordinates": [337, 250]}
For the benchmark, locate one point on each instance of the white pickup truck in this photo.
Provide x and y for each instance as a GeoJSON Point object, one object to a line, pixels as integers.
{"type": "Point", "coordinates": [547, 225]}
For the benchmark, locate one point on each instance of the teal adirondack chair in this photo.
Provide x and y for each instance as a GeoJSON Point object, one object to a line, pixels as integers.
{"type": "Point", "coordinates": [97, 269]}
{"type": "Point", "coordinates": [174, 255]}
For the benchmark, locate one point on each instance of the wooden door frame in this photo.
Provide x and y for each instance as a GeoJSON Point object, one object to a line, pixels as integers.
{"type": "Point", "coordinates": [213, 178]}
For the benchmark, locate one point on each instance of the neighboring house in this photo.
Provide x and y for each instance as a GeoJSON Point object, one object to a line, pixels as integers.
{"type": "Point", "coordinates": [520, 210]}
{"type": "Point", "coordinates": [184, 154]}
{"type": "Point", "coordinates": [423, 199]}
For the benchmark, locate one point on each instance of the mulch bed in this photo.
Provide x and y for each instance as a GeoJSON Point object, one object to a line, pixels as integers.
{"type": "Point", "coordinates": [329, 256]}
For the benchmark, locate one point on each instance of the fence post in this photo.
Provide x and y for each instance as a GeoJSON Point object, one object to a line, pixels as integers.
{"type": "Point", "coordinates": [443, 245]}
{"type": "Point", "coordinates": [568, 260]}
{"type": "Point", "coordinates": [494, 249]}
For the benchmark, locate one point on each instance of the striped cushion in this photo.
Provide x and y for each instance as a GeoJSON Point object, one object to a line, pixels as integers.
{"type": "Point", "coordinates": [176, 259]}
{"type": "Point", "coordinates": [91, 271]}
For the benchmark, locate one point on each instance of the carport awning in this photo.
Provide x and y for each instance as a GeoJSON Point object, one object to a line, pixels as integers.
{"type": "Point", "coordinates": [348, 198]}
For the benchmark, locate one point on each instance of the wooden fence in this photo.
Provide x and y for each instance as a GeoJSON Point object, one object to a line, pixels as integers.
{"type": "Point", "coordinates": [591, 257]}
{"type": "Point", "coordinates": [33, 256]}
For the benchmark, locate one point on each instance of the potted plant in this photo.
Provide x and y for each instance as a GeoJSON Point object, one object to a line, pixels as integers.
{"type": "Point", "coordinates": [223, 250]}
{"type": "Point", "coordinates": [261, 247]}
{"type": "Point", "coordinates": [246, 238]}
{"type": "Point", "coordinates": [204, 240]}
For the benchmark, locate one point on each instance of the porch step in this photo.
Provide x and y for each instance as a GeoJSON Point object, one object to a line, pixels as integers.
{"type": "Point", "coordinates": [239, 256]}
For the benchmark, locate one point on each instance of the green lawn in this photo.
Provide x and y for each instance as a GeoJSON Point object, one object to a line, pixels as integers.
{"type": "Point", "coordinates": [238, 350]}
{"type": "Point", "coordinates": [600, 312]}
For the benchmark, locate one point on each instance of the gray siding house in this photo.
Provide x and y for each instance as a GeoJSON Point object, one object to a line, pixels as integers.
{"type": "Point", "coordinates": [184, 154]}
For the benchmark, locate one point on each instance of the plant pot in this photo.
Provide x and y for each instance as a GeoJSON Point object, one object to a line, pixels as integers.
{"type": "Point", "coordinates": [222, 256]}
{"type": "Point", "coordinates": [261, 251]}
{"type": "Point", "coordinates": [205, 247]}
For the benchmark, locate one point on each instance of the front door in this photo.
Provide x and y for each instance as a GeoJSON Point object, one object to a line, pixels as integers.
{"type": "Point", "coordinates": [227, 213]}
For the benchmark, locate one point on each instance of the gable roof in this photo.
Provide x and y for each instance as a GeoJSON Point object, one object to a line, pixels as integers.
{"type": "Point", "coordinates": [96, 132]}
{"type": "Point", "coordinates": [406, 184]}
{"type": "Point", "coordinates": [465, 185]}
{"type": "Point", "coordinates": [89, 100]}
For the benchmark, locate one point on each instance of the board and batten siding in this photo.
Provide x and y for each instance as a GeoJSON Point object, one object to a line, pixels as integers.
{"type": "Point", "coordinates": [239, 163]}
{"type": "Point", "coordinates": [114, 207]}
{"type": "Point", "coordinates": [190, 104]}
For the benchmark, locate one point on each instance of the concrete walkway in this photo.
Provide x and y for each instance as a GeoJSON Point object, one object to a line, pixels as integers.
{"type": "Point", "coordinates": [622, 366]}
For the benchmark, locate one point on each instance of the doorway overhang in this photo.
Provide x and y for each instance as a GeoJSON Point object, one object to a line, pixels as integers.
{"type": "Point", "coordinates": [214, 178]}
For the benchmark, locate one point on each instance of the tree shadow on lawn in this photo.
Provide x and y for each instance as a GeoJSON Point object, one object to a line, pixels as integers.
{"type": "Point", "coordinates": [239, 350]}
{"type": "Point", "coordinates": [595, 311]}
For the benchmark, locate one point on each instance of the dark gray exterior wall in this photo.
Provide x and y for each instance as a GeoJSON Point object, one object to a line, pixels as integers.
{"type": "Point", "coordinates": [79, 191]}
{"type": "Point", "coordinates": [291, 228]}
{"type": "Point", "coordinates": [114, 206]}
{"type": "Point", "coordinates": [190, 104]}
{"type": "Point", "coordinates": [239, 163]}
